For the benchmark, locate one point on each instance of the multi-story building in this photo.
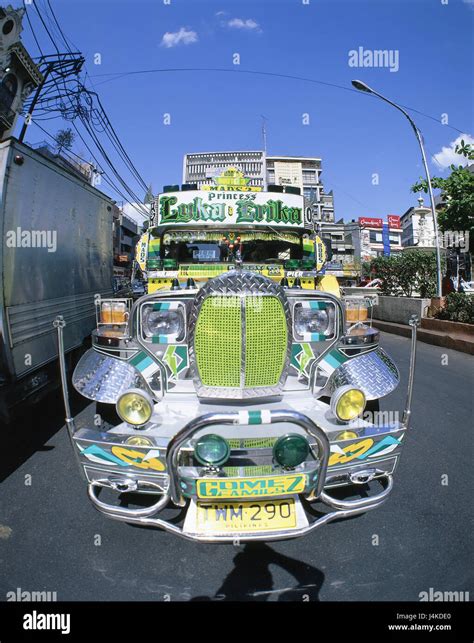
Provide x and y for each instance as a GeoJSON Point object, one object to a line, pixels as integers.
{"type": "Point", "coordinates": [19, 75]}
{"type": "Point", "coordinates": [372, 237]}
{"type": "Point", "coordinates": [304, 173]}
{"type": "Point", "coordinates": [203, 168]}
{"type": "Point", "coordinates": [125, 235]}
{"type": "Point", "coordinates": [262, 170]}
{"type": "Point", "coordinates": [340, 247]}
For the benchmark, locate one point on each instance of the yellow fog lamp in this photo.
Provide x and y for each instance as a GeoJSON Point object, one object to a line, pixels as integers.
{"type": "Point", "coordinates": [135, 407]}
{"type": "Point", "coordinates": [346, 435]}
{"type": "Point", "coordinates": [347, 403]}
{"type": "Point", "coordinates": [138, 441]}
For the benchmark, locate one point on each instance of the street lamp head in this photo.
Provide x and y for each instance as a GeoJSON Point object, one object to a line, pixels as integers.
{"type": "Point", "coordinates": [358, 84]}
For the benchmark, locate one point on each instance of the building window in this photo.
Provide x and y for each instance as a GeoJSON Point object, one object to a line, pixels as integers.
{"type": "Point", "coordinates": [8, 89]}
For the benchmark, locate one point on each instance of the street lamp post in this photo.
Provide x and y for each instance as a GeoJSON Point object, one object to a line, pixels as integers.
{"type": "Point", "coordinates": [358, 84]}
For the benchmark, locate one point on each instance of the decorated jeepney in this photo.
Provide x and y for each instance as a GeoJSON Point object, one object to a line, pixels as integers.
{"type": "Point", "coordinates": [244, 388]}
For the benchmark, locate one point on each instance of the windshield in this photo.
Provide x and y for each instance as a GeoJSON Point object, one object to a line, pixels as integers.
{"type": "Point", "coordinates": [222, 247]}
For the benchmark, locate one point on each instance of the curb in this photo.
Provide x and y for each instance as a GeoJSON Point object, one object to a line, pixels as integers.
{"type": "Point", "coordinates": [454, 341]}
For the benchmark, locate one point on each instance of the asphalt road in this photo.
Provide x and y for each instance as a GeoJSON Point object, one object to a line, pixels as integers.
{"type": "Point", "coordinates": [49, 530]}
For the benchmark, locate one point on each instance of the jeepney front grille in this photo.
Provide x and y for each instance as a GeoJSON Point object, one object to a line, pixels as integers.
{"type": "Point", "coordinates": [240, 337]}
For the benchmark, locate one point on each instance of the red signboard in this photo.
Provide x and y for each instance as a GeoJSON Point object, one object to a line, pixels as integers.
{"type": "Point", "coordinates": [370, 222]}
{"type": "Point", "coordinates": [393, 221]}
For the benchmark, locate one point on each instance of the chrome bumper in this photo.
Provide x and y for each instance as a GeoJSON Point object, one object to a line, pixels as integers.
{"type": "Point", "coordinates": [145, 517]}
{"type": "Point", "coordinates": [170, 494]}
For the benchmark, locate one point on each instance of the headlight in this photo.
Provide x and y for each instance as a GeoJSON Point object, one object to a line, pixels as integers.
{"type": "Point", "coordinates": [163, 322]}
{"type": "Point", "coordinates": [347, 403]}
{"type": "Point", "coordinates": [291, 450]}
{"type": "Point", "coordinates": [135, 407]}
{"type": "Point", "coordinates": [314, 320]}
{"type": "Point", "coordinates": [212, 450]}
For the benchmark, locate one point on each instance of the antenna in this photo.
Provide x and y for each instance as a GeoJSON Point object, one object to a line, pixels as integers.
{"type": "Point", "coordinates": [264, 133]}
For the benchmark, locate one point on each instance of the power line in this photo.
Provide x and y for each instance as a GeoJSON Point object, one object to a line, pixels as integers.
{"type": "Point", "coordinates": [86, 113]}
{"type": "Point", "coordinates": [118, 75]}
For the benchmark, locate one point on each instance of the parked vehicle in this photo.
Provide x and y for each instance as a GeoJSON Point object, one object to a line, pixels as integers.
{"type": "Point", "coordinates": [55, 256]}
{"type": "Point", "coordinates": [241, 380]}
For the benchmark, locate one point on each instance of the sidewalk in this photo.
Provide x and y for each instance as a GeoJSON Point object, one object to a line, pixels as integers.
{"type": "Point", "coordinates": [459, 337]}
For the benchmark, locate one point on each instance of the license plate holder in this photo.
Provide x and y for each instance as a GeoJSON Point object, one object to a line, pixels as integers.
{"type": "Point", "coordinates": [244, 516]}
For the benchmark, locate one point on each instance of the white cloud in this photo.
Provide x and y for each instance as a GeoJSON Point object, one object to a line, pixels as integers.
{"type": "Point", "coordinates": [249, 24]}
{"type": "Point", "coordinates": [447, 156]}
{"type": "Point", "coordinates": [184, 36]}
{"type": "Point", "coordinates": [469, 2]}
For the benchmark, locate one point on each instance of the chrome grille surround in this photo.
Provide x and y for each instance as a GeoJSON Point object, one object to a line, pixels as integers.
{"type": "Point", "coordinates": [242, 284]}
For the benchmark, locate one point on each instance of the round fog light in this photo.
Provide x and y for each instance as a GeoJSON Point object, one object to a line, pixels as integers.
{"type": "Point", "coordinates": [347, 403]}
{"type": "Point", "coordinates": [138, 441]}
{"type": "Point", "coordinates": [212, 450]}
{"type": "Point", "coordinates": [135, 407]}
{"type": "Point", "coordinates": [291, 450]}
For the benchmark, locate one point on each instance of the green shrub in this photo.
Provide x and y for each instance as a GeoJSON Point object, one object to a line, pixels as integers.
{"type": "Point", "coordinates": [406, 273]}
{"type": "Point", "coordinates": [459, 307]}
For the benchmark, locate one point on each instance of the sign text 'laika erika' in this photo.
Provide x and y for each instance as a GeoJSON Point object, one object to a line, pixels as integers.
{"type": "Point", "coordinates": [207, 207]}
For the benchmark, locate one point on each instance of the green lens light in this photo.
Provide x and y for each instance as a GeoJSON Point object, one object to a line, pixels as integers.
{"type": "Point", "coordinates": [212, 450]}
{"type": "Point", "coordinates": [291, 450]}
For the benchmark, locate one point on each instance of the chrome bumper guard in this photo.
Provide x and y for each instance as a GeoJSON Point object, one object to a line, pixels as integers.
{"type": "Point", "coordinates": [146, 516]}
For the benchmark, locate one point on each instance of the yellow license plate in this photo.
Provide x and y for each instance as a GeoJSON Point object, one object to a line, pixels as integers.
{"type": "Point", "coordinates": [251, 487]}
{"type": "Point", "coordinates": [262, 515]}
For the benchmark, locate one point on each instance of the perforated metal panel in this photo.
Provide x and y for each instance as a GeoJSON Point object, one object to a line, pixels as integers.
{"type": "Point", "coordinates": [218, 341]}
{"type": "Point", "coordinates": [240, 339]}
{"type": "Point", "coordinates": [266, 338]}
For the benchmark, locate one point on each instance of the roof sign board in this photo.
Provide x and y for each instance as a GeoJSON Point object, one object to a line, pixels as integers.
{"type": "Point", "coordinates": [370, 222]}
{"type": "Point", "coordinates": [393, 221]}
{"type": "Point", "coordinates": [204, 207]}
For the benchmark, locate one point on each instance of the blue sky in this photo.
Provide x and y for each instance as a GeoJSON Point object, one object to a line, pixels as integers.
{"type": "Point", "coordinates": [356, 135]}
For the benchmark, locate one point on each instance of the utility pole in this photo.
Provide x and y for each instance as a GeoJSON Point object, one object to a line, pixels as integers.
{"type": "Point", "coordinates": [55, 67]}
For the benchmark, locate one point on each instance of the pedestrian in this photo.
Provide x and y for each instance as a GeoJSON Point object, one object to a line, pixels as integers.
{"type": "Point", "coordinates": [447, 284]}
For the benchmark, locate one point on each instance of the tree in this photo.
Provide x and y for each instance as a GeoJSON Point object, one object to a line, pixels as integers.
{"type": "Point", "coordinates": [410, 273]}
{"type": "Point", "coordinates": [458, 191]}
{"type": "Point", "coordinates": [149, 195]}
{"type": "Point", "coordinates": [64, 139]}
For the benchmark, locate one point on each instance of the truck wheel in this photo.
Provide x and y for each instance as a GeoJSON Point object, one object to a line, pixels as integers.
{"type": "Point", "coordinates": [108, 413]}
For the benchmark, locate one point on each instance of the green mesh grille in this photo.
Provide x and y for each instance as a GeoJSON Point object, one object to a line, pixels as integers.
{"type": "Point", "coordinates": [251, 443]}
{"type": "Point", "coordinates": [262, 470]}
{"type": "Point", "coordinates": [218, 342]}
{"type": "Point", "coordinates": [266, 337]}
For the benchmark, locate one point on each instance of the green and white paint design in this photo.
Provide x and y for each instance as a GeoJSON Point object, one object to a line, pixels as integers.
{"type": "Point", "coordinates": [145, 364]}
{"type": "Point", "coordinates": [254, 417]}
{"type": "Point", "coordinates": [176, 358]}
{"type": "Point", "coordinates": [302, 356]}
{"type": "Point", "coordinates": [332, 361]}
